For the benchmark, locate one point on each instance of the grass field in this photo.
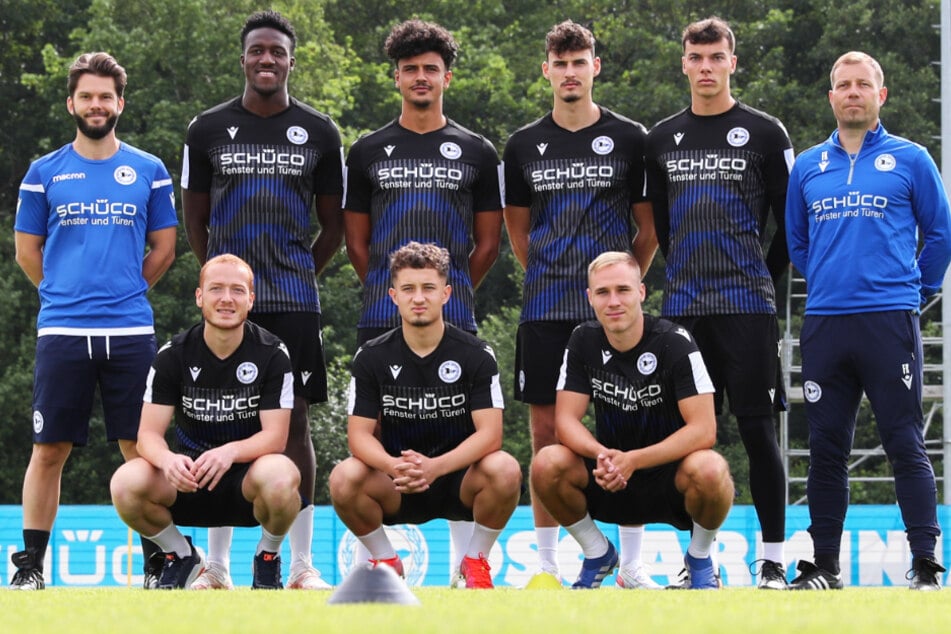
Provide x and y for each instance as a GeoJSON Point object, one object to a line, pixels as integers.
{"type": "Point", "coordinates": [608, 610]}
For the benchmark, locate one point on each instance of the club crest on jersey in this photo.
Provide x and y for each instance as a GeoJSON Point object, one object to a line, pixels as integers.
{"type": "Point", "coordinates": [450, 371]}
{"type": "Point", "coordinates": [738, 137]}
{"type": "Point", "coordinates": [247, 372]}
{"type": "Point", "coordinates": [37, 421]}
{"type": "Point", "coordinates": [885, 162]}
{"type": "Point", "coordinates": [233, 131]}
{"type": "Point", "coordinates": [124, 175]}
{"type": "Point", "coordinates": [297, 135]}
{"type": "Point", "coordinates": [541, 148]}
{"type": "Point", "coordinates": [602, 145]}
{"type": "Point", "coordinates": [647, 363]}
{"type": "Point", "coordinates": [450, 150]}
{"type": "Point", "coordinates": [811, 391]}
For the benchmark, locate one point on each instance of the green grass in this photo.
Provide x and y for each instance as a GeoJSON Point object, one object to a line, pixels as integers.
{"type": "Point", "coordinates": [607, 611]}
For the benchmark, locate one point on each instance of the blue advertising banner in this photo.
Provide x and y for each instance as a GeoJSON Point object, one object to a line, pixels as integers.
{"type": "Point", "coordinates": [90, 546]}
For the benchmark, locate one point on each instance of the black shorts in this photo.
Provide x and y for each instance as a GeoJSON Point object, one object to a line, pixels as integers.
{"type": "Point", "coordinates": [441, 500]}
{"type": "Point", "coordinates": [300, 332]}
{"type": "Point", "coordinates": [225, 506]}
{"type": "Point", "coordinates": [539, 353]}
{"type": "Point", "coordinates": [70, 367]}
{"type": "Point", "coordinates": [742, 355]}
{"type": "Point", "coordinates": [651, 496]}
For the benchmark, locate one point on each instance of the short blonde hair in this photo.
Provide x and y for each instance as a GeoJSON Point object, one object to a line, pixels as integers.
{"type": "Point", "coordinates": [227, 258]}
{"type": "Point", "coordinates": [858, 57]}
{"type": "Point", "coordinates": [610, 258]}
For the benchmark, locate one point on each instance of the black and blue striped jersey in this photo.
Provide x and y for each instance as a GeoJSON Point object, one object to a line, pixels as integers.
{"type": "Point", "coordinates": [579, 187]}
{"type": "Point", "coordinates": [262, 175]}
{"type": "Point", "coordinates": [427, 188]}
{"type": "Point", "coordinates": [712, 181]}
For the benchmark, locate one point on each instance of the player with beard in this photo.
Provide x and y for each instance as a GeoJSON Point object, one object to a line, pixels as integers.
{"type": "Point", "coordinates": [574, 188]}
{"type": "Point", "coordinates": [228, 385]}
{"type": "Point", "coordinates": [255, 169]}
{"type": "Point", "coordinates": [85, 215]}
{"type": "Point", "coordinates": [422, 177]}
{"type": "Point", "coordinates": [425, 425]}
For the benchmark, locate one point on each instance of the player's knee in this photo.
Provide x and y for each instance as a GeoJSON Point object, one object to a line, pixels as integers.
{"type": "Point", "coordinates": [129, 483]}
{"type": "Point", "coordinates": [503, 471]}
{"type": "Point", "coordinates": [707, 472]}
{"type": "Point", "coordinates": [549, 464]}
{"type": "Point", "coordinates": [346, 478]}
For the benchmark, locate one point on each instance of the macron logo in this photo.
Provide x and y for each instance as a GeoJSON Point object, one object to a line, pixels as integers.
{"type": "Point", "coordinates": [194, 371]}
{"type": "Point", "coordinates": [605, 356]}
{"type": "Point", "coordinates": [395, 370]}
{"type": "Point", "coordinates": [305, 376]}
{"type": "Point", "coordinates": [389, 149]}
{"type": "Point", "coordinates": [541, 148]}
{"type": "Point", "coordinates": [678, 137]}
{"type": "Point", "coordinates": [232, 131]}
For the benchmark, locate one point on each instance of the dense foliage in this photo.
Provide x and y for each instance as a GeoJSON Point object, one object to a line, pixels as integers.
{"type": "Point", "coordinates": [182, 57]}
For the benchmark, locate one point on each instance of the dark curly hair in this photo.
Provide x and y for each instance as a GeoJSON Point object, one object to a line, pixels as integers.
{"type": "Point", "coordinates": [568, 36]}
{"type": "Point", "coordinates": [414, 255]}
{"type": "Point", "coordinates": [415, 37]}
{"type": "Point", "coordinates": [269, 20]}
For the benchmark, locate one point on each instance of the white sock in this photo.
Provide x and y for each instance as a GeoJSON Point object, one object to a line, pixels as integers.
{"type": "Point", "coordinates": [701, 541]}
{"type": "Point", "coordinates": [775, 551]}
{"type": "Point", "coordinates": [629, 541]}
{"type": "Point", "coordinates": [302, 538]}
{"type": "Point", "coordinates": [460, 534]}
{"type": "Point", "coordinates": [592, 541]}
{"type": "Point", "coordinates": [219, 546]}
{"type": "Point", "coordinates": [269, 542]}
{"type": "Point", "coordinates": [378, 544]}
{"type": "Point", "coordinates": [482, 540]}
{"type": "Point", "coordinates": [547, 539]}
{"type": "Point", "coordinates": [171, 540]}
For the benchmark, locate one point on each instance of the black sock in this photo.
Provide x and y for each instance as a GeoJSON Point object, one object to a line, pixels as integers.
{"type": "Point", "coordinates": [36, 542]}
{"type": "Point", "coordinates": [149, 548]}
{"type": "Point", "coordinates": [829, 563]}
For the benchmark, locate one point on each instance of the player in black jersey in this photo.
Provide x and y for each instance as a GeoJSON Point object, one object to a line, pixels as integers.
{"type": "Point", "coordinates": [254, 169]}
{"type": "Point", "coordinates": [421, 177]}
{"type": "Point", "coordinates": [228, 385]}
{"type": "Point", "coordinates": [715, 170]}
{"type": "Point", "coordinates": [574, 188]}
{"type": "Point", "coordinates": [425, 425]}
{"type": "Point", "coordinates": [650, 459]}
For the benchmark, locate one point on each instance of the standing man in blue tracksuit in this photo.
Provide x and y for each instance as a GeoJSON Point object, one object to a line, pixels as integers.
{"type": "Point", "coordinates": [855, 208]}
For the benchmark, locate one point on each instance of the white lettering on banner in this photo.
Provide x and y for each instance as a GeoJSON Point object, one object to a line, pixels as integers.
{"type": "Point", "coordinates": [77, 579]}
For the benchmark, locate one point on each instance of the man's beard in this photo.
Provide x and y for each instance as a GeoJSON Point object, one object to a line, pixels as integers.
{"type": "Point", "coordinates": [96, 132]}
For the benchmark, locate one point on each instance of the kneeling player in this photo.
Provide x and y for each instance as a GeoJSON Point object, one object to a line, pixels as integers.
{"type": "Point", "coordinates": [651, 458]}
{"type": "Point", "coordinates": [229, 385]}
{"type": "Point", "coordinates": [435, 391]}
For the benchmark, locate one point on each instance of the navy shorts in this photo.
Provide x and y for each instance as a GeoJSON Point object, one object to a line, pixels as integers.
{"type": "Point", "coordinates": [539, 353]}
{"type": "Point", "coordinates": [440, 500]}
{"type": "Point", "coordinates": [300, 332]}
{"type": "Point", "coordinates": [741, 353]}
{"type": "Point", "coordinates": [225, 506]}
{"type": "Point", "coordinates": [651, 496]}
{"type": "Point", "coordinates": [68, 369]}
